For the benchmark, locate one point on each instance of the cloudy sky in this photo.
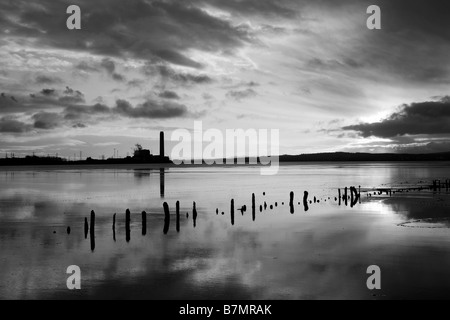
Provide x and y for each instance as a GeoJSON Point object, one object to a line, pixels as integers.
{"type": "Point", "coordinates": [309, 68]}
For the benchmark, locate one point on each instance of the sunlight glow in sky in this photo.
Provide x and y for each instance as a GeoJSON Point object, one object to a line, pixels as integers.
{"type": "Point", "coordinates": [311, 69]}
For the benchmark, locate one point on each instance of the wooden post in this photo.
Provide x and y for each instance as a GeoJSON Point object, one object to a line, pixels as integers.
{"type": "Point", "coordinates": [162, 182]}
{"type": "Point", "coordinates": [305, 201]}
{"type": "Point", "coordinates": [346, 196]}
{"type": "Point", "coordinates": [92, 230]}
{"type": "Point", "coordinates": [359, 194]}
{"type": "Point", "coordinates": [291, 203]}
{"type": "Point", "coordinates": [166, 218]}
{"type": "Point", "coordinates": [144, 223]}
{"type": "Point", "coordinates": [354, 196]}
{"type": "Point", "coordinates": [114, 227]}
{"type": "Point", "coordinates": [128, 225]}
{"type": "Point", "coordinates": [178, 216]}
{"type": "Point", "coordinates": [253, 207]}
{"type": "Point", "coordinates": [194, 214]}
{"type": "Point", "coordinates": [86, 228]}
{"type": "Point", "coordinates": [232, 212]}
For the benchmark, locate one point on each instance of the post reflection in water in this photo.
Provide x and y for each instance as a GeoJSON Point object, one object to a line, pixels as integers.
{"type": "Point", "coordinates": [140, 174]}
{"type": "Point", "coordinates": [114, 227]}
{"type": "Point", "coordinates": [162, 181]}
{"type": "Point", "coordinates": [92, 231]}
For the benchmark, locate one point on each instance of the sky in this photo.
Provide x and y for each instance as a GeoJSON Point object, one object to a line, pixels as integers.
{"type": "Point", "coordinates": [311, 69]}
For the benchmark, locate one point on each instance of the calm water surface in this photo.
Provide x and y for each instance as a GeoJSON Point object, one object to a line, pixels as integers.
{"type": "Point", "coordinates": [319, 254]}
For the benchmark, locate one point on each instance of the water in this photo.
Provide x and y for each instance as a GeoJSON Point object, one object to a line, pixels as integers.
{"type": "Point", "coordinates": [323, 253]}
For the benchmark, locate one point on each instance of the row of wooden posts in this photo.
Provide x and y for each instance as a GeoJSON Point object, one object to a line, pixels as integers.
{"type": "Point", "coordinates": [436, 186]}
{"type": "Point", "coordinates": [89, 228]}
{"type": "Point", "coordinates": [349, 196]}
{"type": "Point", "coordinates": [354, 197]}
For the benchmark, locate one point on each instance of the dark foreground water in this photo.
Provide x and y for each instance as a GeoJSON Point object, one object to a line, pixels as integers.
{"type": "Point", "coordinates": [319, 254]}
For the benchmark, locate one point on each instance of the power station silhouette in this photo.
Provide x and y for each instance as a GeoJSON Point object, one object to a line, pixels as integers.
{"type": "Point", "coordinates": [145, 156]}
{"type": "Point", "coordinates": [140, 155]}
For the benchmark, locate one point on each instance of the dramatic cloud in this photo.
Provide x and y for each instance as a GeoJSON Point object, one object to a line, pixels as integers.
{"type": "Point", "coordinates": [431, 117]}
{"type": "Point", "coordinates": [7, 100]}
{"type": "Point", "coordinates": [110, 68]}
{"type": "Point", "coordinates": [169, 95]}
{"type": "Point", "coordinates": [48, 80]}
{"type": "Point", "coordinates": [318, 64]}
{"type": "Point", "coordinates": [243, 94]}
{"type": "Point", "coordinates": [266, 8]}
{"type": "Point", "coordinates": [87, 67]}
{"type": "Point", "coordinates": [12, 125]}
{"type": "Point", "coordinates": [149, 30]}
{"type": "Point", "coordinates": [150, 109]}
{"type": "Point", "coordinates": [79, 126]}
{"type": "Point", "coordinates": [48, 92]}
{"type": "Point", "coordinates": [69, 110]}
{"type": "Point", "coordinates": [139, 62]}
{"type": "Point", "coordinates": [181, 78]}
{"type": "Point", "coordinates": [411, 33]}
{"type": "Point", "coordinates": [71, 96]}
{"type": "Point", "coordinates": [47, 120]}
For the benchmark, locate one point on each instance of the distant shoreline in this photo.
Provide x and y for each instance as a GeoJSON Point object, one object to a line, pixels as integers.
{"type": "Point", "coordinates": [338, 157]}
{"type": "Point", "coordinates": [141, 166]}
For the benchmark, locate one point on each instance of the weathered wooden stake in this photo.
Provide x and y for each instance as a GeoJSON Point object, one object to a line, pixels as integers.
{"type": "Point", "coordinates": [305, 201]}
{"type": "Point", "coordinates": [92, 230]}
{"type": "Point", "coordinates": [178, 216]}
{"type": "Point", "coordinates": [144, 223]}
{"type": "Point", "coordinates": [194, 214]}
{"type": "Point", "coordinates": [232, 212]}
{"type": "Point", "coordinates": [166, 218]}
{"type": "Point", "coordinates": [114, 227]}
{"type": "Point", "coordinates": [253, 207]}
{"type": "Point", "coordinates": [291, 203]}
{"type": "Point", "coordinates": [346, 196]}
{"type": "Point", "coordinates": [128, 225]}
{"type": "Point", "coordinates": [86, 228]}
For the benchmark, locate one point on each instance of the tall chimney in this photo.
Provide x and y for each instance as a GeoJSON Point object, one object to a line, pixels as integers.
{"type": "Point", "coordinates": [161, 144]}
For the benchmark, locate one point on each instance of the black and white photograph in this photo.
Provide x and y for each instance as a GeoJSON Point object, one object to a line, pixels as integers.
{"type": "Point", "coordinates": [237, 151]}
